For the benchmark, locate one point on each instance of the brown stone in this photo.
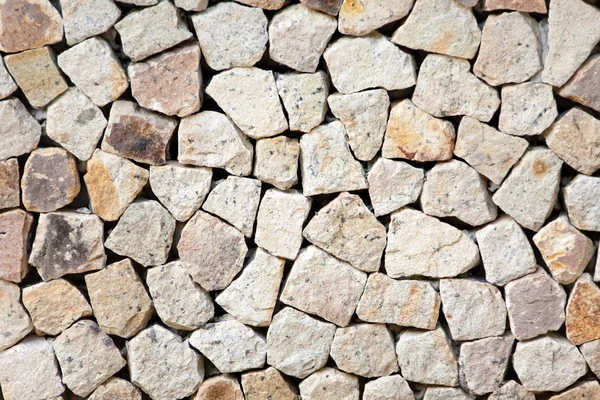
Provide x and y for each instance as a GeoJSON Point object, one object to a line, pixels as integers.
{"type": "Point", "coordinates": [587, 390]}
{"type": "Point", "coordinates": [222, 387]}
{"type": "Point", "coordinates": [584, 86]}
{"type": "Point", "coordinates": [15, 226]}
{"type": "Point", "coordinates": [50, 180]}
{"type": "Point", "coordinates": [267, 384]}
{"type": "Point", "coordinates": [116, 389]}
{"type": "Point", "coordinates": [583, 311]}
{"type": "Point", "coordinates": [9, 183]}
{"type": "Point", "coordinates": [536, 6]}
{"type": "Point", "coordinates": [331, 7]}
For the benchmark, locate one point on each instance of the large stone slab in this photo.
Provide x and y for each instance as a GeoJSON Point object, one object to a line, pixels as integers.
{"type": "Point", "coordinates": [15, 224]}
{"type": "Point", "coordinates": [445, 393]}
{"type": "Point", "coordinates": [583, 323]}
{"type": "Point", "coordinates": [14, 319]}
{"type": "Point", "coordinates": [19, 132]}
{"type": "Point", "coordinates": [527, 109]}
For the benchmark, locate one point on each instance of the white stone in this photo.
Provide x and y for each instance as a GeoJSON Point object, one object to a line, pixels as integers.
{"type": "Point", "coordinates": [358, 18]}
{"type": "Point", "coordinates": [330, 384]}
{"type": "Point", "coordinates": [393, 387]}
{"type": "Point", "coordinates": [14, 320]}
{"type": "Point", "coordinates": [87, 18]}
{"type": "Point", "coordinates": [276, 161]}
{"type": "Point", "coordinates": [19, 132]}
{"type": "Point", "coordinates": [393, 184]}
{"type": "Point", "coordinates": [527, 109]}
{"type": "Point", "coordinates": [580, 196]}
{"type": "Point", "coordinates": [192, 5]}
{"type": "Point", "coordinates": [591, 353]}
{"type": "Point", "coordinates": [7, 83]}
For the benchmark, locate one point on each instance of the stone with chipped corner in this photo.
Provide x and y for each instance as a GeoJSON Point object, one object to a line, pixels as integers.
{"type": "Point", "coordinates": [212, 251]}
{"type": "Point", "coordinates": [15, 226]}
{"type": "Point", "coordinates": [583, 390]}
{"type": "Point", "coordinates": [67, 242]}
{"type": "Point", "coordinates": [10, 192]}
{"type": "Point", "coordinates": [331, 7]}
{"type": "Point", "coordinates": [15, 323]}
{"type": "Point", "coordinates": [192, 5]}
{"type": "Point", "coordinates": [583, 86]}
{"type": "Point", "coordinates": [266, 384]}
{"type": "Point", "coordinates": [330, 384]}
{"type": "Point", "coordinates": [19, 131]}
{"type": "Point", "coordinates": [511, 390]}
{"type": "Point", "coordinates": [276, 161]}
{"type": "Point", "coordinates": [304, 97]}
{"type": "Point", "coordinates": [116, 388]}
{"type": "Point", "coordinates": [393, 387]}
{"type": "Point", "coordinates": [87, 18]}
{"type": "Point", "coordinates": [527, 109]}
{"type": "Point", "coordinates": [583, 308]}
{"type": "Point", "coordinates": [7, 83]}
{"type": "Point", "coordinates": [591, 353]}
{"type": "Point", "coordinates": [265, 4]}
{"type": "Point", "coordinates": [220, 387]}
{"type": "Point", "coordinates": [581, 202]}
{"type": "Point", "coordinates": [445, 393]}
{"type": "Point", "coordinates": [536, 6]}
{"type": "Point", "coordinates": [359, 18]}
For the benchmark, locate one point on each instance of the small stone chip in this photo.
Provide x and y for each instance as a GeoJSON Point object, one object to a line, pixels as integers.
{"type": "Point", "coordinates": [527, 109]}
{"type": "Point", "coordinates": [15, 226]}
{"type": "Point", "coordinates": [330, 384]}
{"type": "Point", "coordinates": [54, 306]}
{"type": "Point", "coordinates": [583, 86]}
{"type": "Point", "coordinates": [19, 131]}
{"type": "Point", "coordinates": [583, 308]}
{"type": "Point", "coordinates": [536, 6]}
{"type": "Point", "coordinates": [358, 18]}
{"type": "Point", "coordinates": [220, 387]}
{"type": "Point", "coordinates": [581, 201]}
{"type": "Point", "coordinates": [583, 390]}
{"type": "Point", "coordinates": [14, 321]}
{"type": "Point", "coordinates": [511, 390]}
{"type": "Point", "coordinates": [87, 18]}
{"type": "Point", "coordinates": [266, 384]}
{"type": "Point", "coordinates": [7, 83]}
{"type": "Point", "coordinates": [10, 193]}
{"type": "Point", "coordinates": [392, 387]}
{"type": "Point", "coordinates": [276, 161]}
{"type": "Point", "coordinates": [116, 388]}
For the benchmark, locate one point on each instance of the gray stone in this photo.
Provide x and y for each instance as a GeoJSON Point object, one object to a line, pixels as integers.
{"type": "Point", "coordinates": [580, 196]}
{"type": "Point", "coordinates": [7, 83]}
{"type": "Point", "coordinates": [527, 109]}
{"type": "Point", "coordinates": [276, 161]}
{"type": "Point", "coordinates": [87, 18]}
{"type": "Point", "coordinates": [330, 384]}
{"type": "Point", "coordinates": [14, 319]}
{"type": "Point", "coordinates": [19, 131]}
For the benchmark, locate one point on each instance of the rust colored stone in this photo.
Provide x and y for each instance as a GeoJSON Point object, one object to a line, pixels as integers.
{"type": "Point", "coordinates": [537, 6]}
{"type": "Point", "coordinates": [9, 183]}
{"type": "Point", "coordinates": [584, 86]}
{"type": "Point", "coordinates": [583, 311]}
{"type": "Point", "coordinates": [14, 231]}
{"type": "Point", "coordinates": [331, 7]}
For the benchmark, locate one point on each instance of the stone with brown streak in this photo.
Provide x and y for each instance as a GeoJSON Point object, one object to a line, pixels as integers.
{"type": "Point", "coordinates": [222, 387]}
{"type": "Point", "coordinates": [15, 323]}
{"type": "Point", "coordinates": [583, 311]}
{"type": "Point", "coordinates": [87, 18]}
{"type": "Point", "coordinates": [266, 384]}
{"type": "Point", "coordinates": [361, 17]}
{"type": "Point", "coordinates": [15, 225]}
{"type": "Point", "coordinates": [535, 6]}
{"type": "Point", "coordinates": [9, 184]}
{"type": "Point", "coordinates": [19, 131]}
{"type": "Point", "coordinates": [331, 7]}
{"type": "Point", "coordinates": [116, 388]}
{"type": "Point", "coordinates": [583, 86]}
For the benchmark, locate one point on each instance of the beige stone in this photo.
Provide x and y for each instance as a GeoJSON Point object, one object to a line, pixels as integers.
{"type": "Point", "coordinates": [583, 390]}
{"type": "Point", "coordinates": [276, 161]}
{"type": "Point", "coordinates": [86, 18]}
{"type": "Point", "coordinates": [329, 384]}
{"type": "Point", "coordinates": [192, 5]}
{"type": "Point", "coordinates": [583, 87]}
{"type": "Point", "coordinates": [511, 390]}
{"type": "Point", "coordinates": [361, 17]}
{"type": "Point", "coordinates": [580, 197]}
{"type": "Point", "coordinates": [10, 193]}
{"type": "Point", "coordinates": [591, 353]}
{"type": "Point", "coordinates": [116, 388]}
{"type": "Point", "coordinates": [444, 393]}
{"type": "Point", "coordinates": [583, 308]}
{"type": "Point", "coordinates": [19, 131]}
{"type": "Point", "coordinates": [14, 319]}
{"type": "Point", "coordinates": [7, 83]}
{"type": "Point", "coordinates": [527, 109]}
{"type": "Point", "coordinates": [266, 4]}
{"type": "Point", "coordinates": [393, 387]}
{"type": "Point", "coordinates": [220, 387]}
{"type": "Point", "coordinates": [536, 6]}
{"type": "Point", "coordinates": [266, 384]}
{"type": "Point", "coordinates": [15, 224]}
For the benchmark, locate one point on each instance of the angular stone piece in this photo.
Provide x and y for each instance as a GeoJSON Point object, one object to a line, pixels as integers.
{"type": "Point", "coordinates": [346, 229]}
{"type": "Point", "coordinates": [304, 97]}
{"type": "Point", "coordinates": [231, 35]}
{"type": "Point", "coordinates": [330, 384]}
{"type": "Point", "coordinates": [55, 305]}
{"type": "Point", "coordinates": [482, 363]}
{"type": "Point", "coordinates": [511, 390]}
{"type": "Point", "coordinates": [7, 83]}
{"type": "Point", "coordinates": [18, 363]}
{"type": "Point", "coordinates": [323, 285]}
{"type": "Point", "coordinates": [15, 226]}
{"type": "Point", "coordinates": [210, 139]}
{"type": "Point", "coordinates": [298, 35]}
{"type": "Point", "coordinates": [249, 97]}
{"type": "Point", "coordinates": [50, 180]}
{"type": "Point", "coordinates": [116, 388]}
{"type": "Point", "coordinates": [442, 393]}
{"type": "Point", "coordinates": [453, 189]}
{"type": "Point", "coordinates": [265, 4]}
{"type": "Point", "coordinates": [138, 134]}
{"type": "Point", "coordinates": [87, 357]}
{"type": "Point", "coordinates": [276, 161]}
{"type": "Point", "coordinates": [151, 30]}
{"type": "Point", "coordinates": [392, 387]}
{"type": "Point", "coordinates": [192, 5]}
{"type": "Point", "coordinates": [180, 303]}
{"type": "Point", "coordinates": [170, 83]}
{"type": "Point", "coordinates": [212, 251]}
{"type": "Point", "coordinates": [28, 24]}
{"type": "Point", "coordinates": [583, 85]}
{"type": "Point", "coordinates": [573, 31]}
{"type": "Point", "coordinates": [505, 251]}
{"type": "Point", "coordinates": [163, 365]}
{"type": "Point", "coordinates": [527, 109]}
{"type": "Point", "coordinates": [95, 69]}
{"type": "Point", "coordinates": [230, 345]}
{"type": "Point", "coordinates": [393, 184]}
{"type": "Point", "coordinates": [536, 6]}
{"type": "Point", "coordinates": [358, 63]}
{"type": "Point", "coordinates": [251, 298]}
{"type": "Point", "coordinates": [67, 243]}
{"type": "Point", "coordinates": [358, 18]}
{"type": "Point", "coordinates": [19, 131]}
{"type": "Point", "coordinates": [14, 321]}
{"type": "Point", "coordinates": [583, 390]}
{"type": "Point", "coordinates": [181, 189]}
{"type": "Point", "coordinates": [10, 193]}
{"type": "Point", "coordinates": [427, 357]}
{"type": "Point", "coordinates": [591, 353]}
{"type": "Point", "coordinates": [440, 26]}
{"type": "Point", "coordinates": [581, 201]}
{"type": "Point", "coordinates": [422, 245]}
{"type": "Point", "coordinates": [235, 200]}
{"type": "Point", "coordinates": [266, 384]}
{"type": "Point", "coordinates": [220, 387]}
{"type": "Point", "coordinates": [529, 193]}
{"type": "Point", "coordinates": [112, 183]}
{"type": "Point", "coordinates": [298, 344]}
{"type": "Point", "coordinates": [87, 18]}
{"type": "Point", "coordinates": [144, 233]}
{"type": "Point", "coordinates": [326, 163]}
{"type": "Point", "coordinates": [583, 321]}
{"type": "Point", "coordinates": [331, 7]}
{"type": "Point", "coordinates": [548, 363]}
{"type": "Point", "coordinates": [415, 135]}
{"type": "Point", "coordinates": [279, 222]}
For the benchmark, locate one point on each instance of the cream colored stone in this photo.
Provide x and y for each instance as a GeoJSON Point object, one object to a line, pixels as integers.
{"type": "Point", "coordinates": [192, 5]}
{"type": "Point", "coordinates": [86, 18]}
{"type": "Point", "coordinates": [537, 6]}
{"type": "Point", "coordinates": [441, 393]}
{"type": "Point", "coordinates": [527, 109]}
{"type": "Point", "coordinates": [329, 384]}
{"type": "Point", "coordinates": [361, 17]}
{"type": "Point", "coordinates": [19, 132]}
{"type": "Point", "coordinates": [304, 97]}
{"type": "Point", "coordinates": [266, 4]}
{"type": "Point", "coordinates": [220, 387]}
{"type": "Point", "coordinates": [393, 387]}
{"type": "Point", "coordinates": [591, 353]}
{"type": "Point", "coordinates": [15, 224]}
{"type": "Point", "coordinates": [7, 83]}
{"type": "Point", "coordinates": [276, 161]}
{"type": "Point", "coordinates": [14, 320]}
{"type": "Point", "coordinates": [511, 390]}
{"type": "Point", "coordinates": [580, 197]}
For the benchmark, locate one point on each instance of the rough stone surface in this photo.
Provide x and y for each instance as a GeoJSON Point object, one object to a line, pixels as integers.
{"type": "Point", "coordinates": [15, 224]}
{"type": "Point", "coordinates": [331, 7]}
{"type": "Point", "coordinates": [19, 131]}
{"type": "Point", "coordinates": [580, 196]}
{"type": "Point", "coordinates": [583, 87]}
{"type": "Point", "coordinates": [304, 97]}
{"type": "Point", "coordinates": [591, 353]}
{"type": "Point", "coordinates": [86, 18]}
{"type": "Point", "coordinates": [361, 17]}
{"type": "Point", "coordinates": [7, 83]}
{"type": "Point", "coordinates": [330, 384]}
{"type": "Point", "coordinates": [220, 387]}
{"type": "Point", "coordinates": [14, 320]}
{"type": "Point", "coordinates": [511, 390]}
{"type": "Point", "coordinates": [527, 109]}
{"type": "Point", "coordinates": [276, 161]}
{"type": "Point", "coordinates": [265, 4]}
{"type": "Point", "coordinates": [441, 393]}
{"type": "Point", "coordinates": [537, 6]}
{"type": "Point", "coordinates": [10, 193]}
{"type": "Point", "coordinates": [392, 387]}
{"type": "Point", "coordinates": [116, 388]}
{"type": "Point", "coordinates": [583, 323]}
{"type": "Point", "coordinates": [584, 390]}
{"type": "Point", "coordinates": [266, 384]}
{"type": "Point", "coordinates": [192, 5]}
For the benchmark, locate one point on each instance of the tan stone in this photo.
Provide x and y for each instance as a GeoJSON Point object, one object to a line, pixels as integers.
{"type": "Point", "coordinates": [19, 131]}
{"type": "Point", "coordinates": [223, 387]}
{"type": "Point", "coordinates": [511, 390]}
{"type": "Point", "coordinates": [581, 202]}
{"type": "Point", "coordinates": [276, 161]}
{"type": "Point", "coordinates": [10, 193]}
{"type": "Point", "coordinates": [393, 387]}
{"type": "Point", "coordinates": [330, 384]}
{"type": "Point", "coordinates": [331, 7]}
{"type": "Point", "coordinates": [582, 391]}
{"type": "Point", "coordinates": [192, 5]}
{"type": "Point", "coordinates": [536, 6]}
{"type": "Point", "coordinates": [14, 321]}
{"type": "Point", "coordinates": [446, 393]}
{"type": "Point", "coordinates": [7, 83]}
{"type": "Point", "coordinates": [583, 311]}
{"type": "Point", "coordinates": [116, 389]}
{"type": "Point", "coordinates": [266, 384]}
{"type": "Point", "coordinates": [15, 225]}
{"type": "Point", "coordinates": [361, 17]}
{"type": "Point", "coordinates": [266, 4]}
{"type": "Point", "coordinates": [583, 85]}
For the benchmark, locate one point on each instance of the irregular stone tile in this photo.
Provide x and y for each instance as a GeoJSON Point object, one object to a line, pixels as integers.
{"type": "Point", "coordinates": [210, 139]}
{"type": "Point", "coordinates": [265, 4]}
{"type": "Point", "coordinates": [298, 35]}
{"type": "Point", "coordinates": [28, 24]}
{"type": "Point", "coordinates": [116, 388]}
{"type": "Point", "coordinates": [54, 306]}
{"type": "Point", "coordinates": [220, 387]}
{"type": "Point", "coordinates": [15, 226]}
{"type": "Point", "coordinates": [446, 87]}
{"type": "Point", "coordinates": [422, 245]}
{"type": "Point", "coordinates": [393, 184]}
{"type": "Point", "coordinates": [231, 35]}
{"type": "Point", "coordinates": [7, 83]}
{"type": "Point", "coordinates": [235, 200]}
{"type": "Point", "coordinates": [249, 97]}
{"type": "Point", "coordinates": [392, 387]}
{"type": "Point", "coordinates": [50, 180]}
{"type": "Point", "coordinates": [441, 393]}
{"type": "Point", "coordinates": [192, 5]}
{"type": "Point", "coordinates": [266, 384]}
{"type": "Point", "coordinates": [482, 363]}
{"type": "Point", "coordinates": [346, 229]}
{"type": "Point", "coordinates": [179, 302]}
{"type": "Point", "coordinates": [298, 344]}
{"type": "Point", "coordinates": [151, 30]}
{"type": "Point", "coordinates": [505, 251]}
{"type": "Point", "coordinates": [326, 163]}
{"type": "Point", "coordinates": [138, 134]}
{"type": "Point", "coordinates": [427, 357]}
{"type": "Point", "coordinates": [95, 69]}
{"type": "Point", "coordinates": [527, 109]}
{"type": "Point", "coordinates": [230, 345]}
{"type": "Point", "coordinates": [591, 353]}
{"type": "Point", "coordinates": [511, 390]}
{"type": "Point", "coordinates": [163, 365]}
{"type": "Point", "coordinates": [574, 30]}
{"type": "Point", "coordinates": [365, 350]}
{"type": "Point", "coordinates": [440, 26]}
{"type": "Point", "coordinates": [19, 131]}
{"type": "Point", "coordinates": [276, 161]}
{"type": "Point", "coordinates": [581, 201]}
{"type": "Point", "coordinates": [491, 152]}
{"type": "Point", "coordinates": [144, 233]}
{"type": "Point", "coordinates": [181, 189]}
{"type": "Point", "coordinates": [67, 243]}
{"type": "Point", "coordinates": [453, 189]}
{"type": "Point", "coordinates": [304, 97]}
{"type": "Point", "coordinates": [87, 357]}
{"type": "Point", "coordinates": [473, 309]}
{"type": "Point", "coordinates": [583, 390]}
{"type": "Point", "coordinates": [415, 135]}
{"type": "Point", "coordinates": [536, 6]}
{"type": "Point", "coordinates": [14, 321]}
{"type": "Point", "coordinates": [548, 363]}
{"type": "Point", "coordinates": [10, 193]}
{"type": "Point", "coordinates": [251, 298]}
{"type": "Point", "coordinates": [331, 7]}
{"type": "Point", "coordinates": [358, 18]}
{"type": "Point", "coordinates": [529, 193]}
{"type": "Point", "coordinates": [583, 87]}
{"type": "Point", "coordinates": [112, 183]}
{"type": "Point", "coordinates": [212, 251]}
{"type": "Point", "coordinates": [364, 116]}
{"type": "Point", "coordinates": [170, 83]}
{"type": "Point", "coordinates": [400, 302]}
{"type": "Point", "coordinates": [358, 63]}
{"type": "Point", "coordinates": [323, 285]}
{"type": "Point", "coordinates": [279, 222]}
{"type": "Point", "coordinates": [28, 371]}
{"type": "Point", "coordinates": [583, 323]}
{"type": "Point", "coordinates": [330, 384]}
{"type": "Point", "coordinates": [87, 18]}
